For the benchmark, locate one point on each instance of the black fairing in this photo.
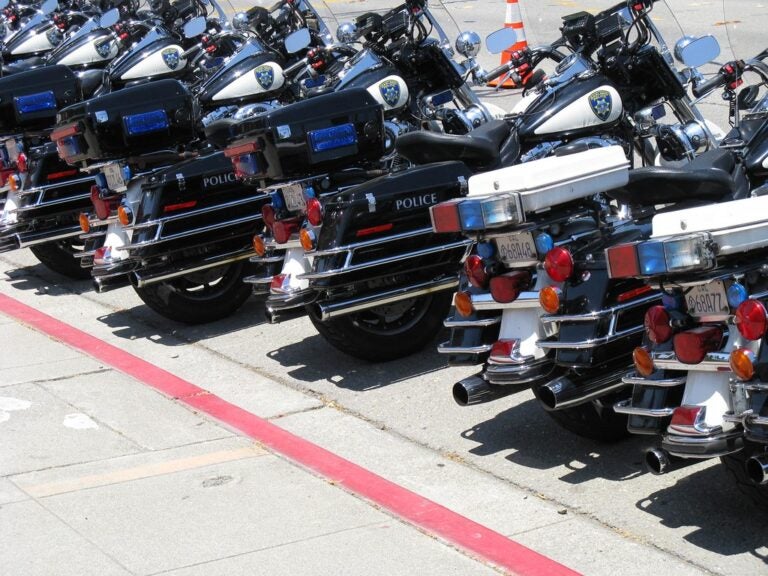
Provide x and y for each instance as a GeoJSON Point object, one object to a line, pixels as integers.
{"type": "Point", "coordinates": [401, 199]}
{"type": "Point", "coordinates": [549, 105]}
{"type": "Point", "coordinates": [207, 181]}
{"type": "Point", "coordinates": [227, 75]}
{"type": "Point", "coordinates": [57, 79]}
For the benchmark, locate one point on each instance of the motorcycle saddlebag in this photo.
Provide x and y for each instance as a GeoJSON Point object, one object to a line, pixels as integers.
{"type": "Point", "coordinates": [319, 134]}
{"type": "Point", "coordinates": [133, 121]}
{"type": "Point", "coordinates": [30, 100]}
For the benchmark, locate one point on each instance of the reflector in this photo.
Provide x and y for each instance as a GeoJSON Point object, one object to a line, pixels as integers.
{"type": "Point", "coordinates": [692, 346]}
{"type": "Point", "coordinates": [507, 287]}
{"type": "Point", "coordinates": [751, 319]}
{"type": "Point", "coordinates": [558, 263]}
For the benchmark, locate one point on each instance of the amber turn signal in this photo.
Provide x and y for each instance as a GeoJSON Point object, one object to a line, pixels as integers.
{"type": "Point", "coordinates": [742, 363]}
{"type": "Point", "coordinates": [643, 362]}
{"type": "Point", "coordinates": [85, 223]}
{"type": "Point", "coordinates": [259, 246]}
{"type": "Point", "coordinates": [549, 299]}
{"type": "Point", "coordinates": [463, 303]}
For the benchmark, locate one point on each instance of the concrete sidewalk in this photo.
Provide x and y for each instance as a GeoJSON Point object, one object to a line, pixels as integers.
{"type": "Point", "coordinates": [101, 475]}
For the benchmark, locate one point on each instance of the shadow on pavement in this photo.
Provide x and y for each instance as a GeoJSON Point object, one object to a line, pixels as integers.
{"type": "Point", "coordinates": [45, 282]}
{"type": "Point", "coordinates": [722, 519]}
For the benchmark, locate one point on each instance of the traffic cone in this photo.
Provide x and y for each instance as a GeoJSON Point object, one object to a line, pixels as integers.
{"type": "Point", "coordinates": [514, 20]}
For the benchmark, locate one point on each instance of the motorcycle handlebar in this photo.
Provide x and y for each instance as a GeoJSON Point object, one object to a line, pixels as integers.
{"type": "Point", "coordinates": [708, 85]}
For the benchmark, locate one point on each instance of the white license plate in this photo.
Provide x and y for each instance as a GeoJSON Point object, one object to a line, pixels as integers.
{"type": "Point", "coordinates": [707, 299]}
{"type": "Point", "coordinates": [294, 198]}
{"type": "Point", "coordinates": [114, 175]}
{"type": "Point", "coordinates": [13, 150]}
{"type": "Point", "coordinates": [516, 248]}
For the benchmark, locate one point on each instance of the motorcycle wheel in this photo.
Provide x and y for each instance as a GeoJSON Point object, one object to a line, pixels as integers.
{"type": "Point", "coordinates": [595, 420]}
{"type": "Point", "coordinates": [736, 464]}
{"type": "Point", "coordinates": [386, 332]}
{"type": "Point", "coordinates": [59, 256]}
{"type": "Point", "coordinates": [200, 297]}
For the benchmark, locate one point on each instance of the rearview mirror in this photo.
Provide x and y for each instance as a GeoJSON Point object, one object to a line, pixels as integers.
{"type": "Point", "coordinates": [297, 41]}
{"type": "Point", "coordinates": [501, 40]}
{"type": "Point", "coordinates": [3, 4]}
{"type": "Point", "coordinates": [49, 6]}
{"type": "Point", "coordinates": [195, 27]}
{"type": "Point", "coordinates": [468, 44]}
{"type": "Point", "coordinates": [694, 52]}
{"type": "Point", "coordinates": [109, 18]}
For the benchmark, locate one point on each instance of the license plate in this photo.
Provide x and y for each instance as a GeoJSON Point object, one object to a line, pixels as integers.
{"type": "Point", "coordinates": [114, 175]}
{"type": "Point", "coordinates": [294, 198]}
{"type": "Point", "coordinates": [707, 299]}
{"type": "Point", "coordinates": [516, 248]}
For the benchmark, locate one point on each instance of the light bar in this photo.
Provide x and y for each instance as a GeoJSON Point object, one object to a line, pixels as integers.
{"type": "Point", "coordinates": [476, 214]}
{"type": "Point", "coordinates": [35, 102]}
{"type": "Point", "coordinates": [146, 122]}
{"type": "Point", "coordinates": [657, 257]}
{"type": "Point", "coordinates": [332, 138]}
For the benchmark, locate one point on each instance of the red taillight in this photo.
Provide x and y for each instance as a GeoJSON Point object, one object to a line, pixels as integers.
{"type": "Point", "coordinates": [101, 206]}
{"type": "Point", "coordinates": [314, 212]}
{"type": "Point", "coordinates": [558, 264]}
{"type": "Point", "coordinates": [363, 232]}
{"type": "Point", "coordinates": [268, 215]}
{"type": "Point", "coordinates": [277, 282]}
{"type": "Point", "coordinates": [507, 288]}
{"type": "Point", "coordinates": [634, 293]}
{"type": "Point", "coordinates": [657, 325]}
{"type": "Point", "coordinates": [693, 345]}
{"type": "Point", "coordinates": [502, 351]}
{"type": "Point", "coordinates": [445, 217]}
{"type": "Point", "coordinates": [687, 419]}
{"type": "Point", "coordinates": [474, 268]}
{"type": "Point", "coordinates": [241, 149]}
{"type": "Point", "coordinates": [751, 319]}
{"type": "Point", "coordinates": [622, 261]}
{"type": "Point", "coordinates": [282, 230]}
{"type": "Point", "coordinates": [21, 162]}
{"type": "Point", "coordinates": [65, 132]}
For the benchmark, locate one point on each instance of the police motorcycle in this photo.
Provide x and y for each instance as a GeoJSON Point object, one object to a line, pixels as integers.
{"type": "Point", "coordinates": [158, 201]}
{"type": "Point", "coordinates": [414, 79]}
{"type": "Point", "coordinates": [497, 319]}
{"type": "Point", "coordinates": [46, 195]}
{"type": "Point", "coordinates": [700, 370]}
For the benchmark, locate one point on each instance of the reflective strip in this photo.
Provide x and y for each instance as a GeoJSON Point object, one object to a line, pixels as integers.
{"type": "Point", "coordinates": [513, 13]}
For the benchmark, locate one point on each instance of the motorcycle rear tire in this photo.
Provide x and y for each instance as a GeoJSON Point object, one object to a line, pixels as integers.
{"type": "Point", "coordinates": [736, 464]}
{"type": "Point", "coordinates": [192, 300]}
{"type": "Point", "coordinates": [595, 420]}
{"type": "Point", "coordinates": [364, 336]}
{"type": "Point", "coordinates": [59, 256]}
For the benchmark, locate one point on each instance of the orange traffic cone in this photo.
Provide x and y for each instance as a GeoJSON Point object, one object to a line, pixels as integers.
{"type": "Point", "coordinates": [514, 19]}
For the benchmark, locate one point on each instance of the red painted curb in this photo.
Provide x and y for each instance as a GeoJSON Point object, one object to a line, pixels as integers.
{"type": "Point", "coordinates": [426, 515]}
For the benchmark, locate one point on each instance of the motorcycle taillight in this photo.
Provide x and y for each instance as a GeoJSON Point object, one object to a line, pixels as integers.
{"type": "Point", "coordinates": [474, 268]}
{"type": "Point", "coordinates": [693, 345]}
{"type": "Point", "coordinates": [282, 230]}
{"type": "Point", "coordinates": [657, 325]}
{"type": "Point", "coordinates": [507, 287]}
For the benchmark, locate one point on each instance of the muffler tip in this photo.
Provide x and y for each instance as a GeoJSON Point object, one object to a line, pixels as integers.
{"type": "Point", "coordinates": [757, 469]}
{"type": "Point", "coordinates": [657, 461]}
{"type": "Point", "coordinates": [472, 390]}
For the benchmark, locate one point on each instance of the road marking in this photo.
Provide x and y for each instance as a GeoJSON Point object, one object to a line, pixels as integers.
{"type": "Point", "coordinates": [139, 472]}
{"type": "Point", "coordinates": [428, 516]}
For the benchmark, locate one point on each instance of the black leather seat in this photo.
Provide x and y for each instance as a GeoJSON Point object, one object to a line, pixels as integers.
{"type": "Point", "coordinates": [481, 147]}
{"type": "Point", "coordinates": [90, 81]}
{"type": "Point", "coordinates": [218, 133]}
{"type": "Point", "coordinates": [710, 177]}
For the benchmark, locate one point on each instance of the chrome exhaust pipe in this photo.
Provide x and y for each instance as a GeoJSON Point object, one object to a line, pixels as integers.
{"type": "Point", "coordinates": [475, 390]}
{"type": "Point", "coordinates": [141, 280]}
{"type": "Point", "coordinates": [658, 461]}
{"type": "Point", "coordinates": [277, 315]}
{"type": "Point", "coordinates": [344, 307]}
{"type": "Point", "coordinates": [757, 469]}
{"type": "Point", "coordinates": [107, 283]}
{"type": "Point", "coordinates": [565, 393]}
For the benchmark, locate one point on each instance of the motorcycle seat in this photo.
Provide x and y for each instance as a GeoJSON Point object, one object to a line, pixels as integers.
{"type": "Point", "coordinates": [90, 81]}
{"type": "Point", "coordinates": [479, 148]}
{"type": "Point", "coordinates": [218, 132]}
{"type": "Point", "coordinates": [709, 177]}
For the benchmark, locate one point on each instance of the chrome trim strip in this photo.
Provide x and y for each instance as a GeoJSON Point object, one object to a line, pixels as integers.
{"type": "Point", "coordinates": [444, 348]}
{"type": "Point", "coordinates": [44, 187]}
{"type": "Point", "coordinates": [485, 301]}
{"type": "Point", "coordinates": [376, 242]}
{"type": "Point", "coordinates": [258, 279]}
{"type": "Point", "coordinates": [635, 379]}
{"type": "Point", "coordinates": [480, 323]}
{"type": "Point", "coordinates": [26, 241]}
{"type": "Point", "coordinates": [625, 407]}
{"type": "Point", "coordinates": [266, 259]}
{"type": "Point", "coordinates": [58, 202]}
{"type": "Point", "coordinates": [713, 362]}
{"type": "Point", "coordinates": [292, 243]}
{"type": "Point", "coordinates": [159, 239]}
{"type": "Point", "coordinates": [598, 315]}
{"type": "Point", "coordinates": [348, 267]}
{"type": "Point", "coordinates": [344, 307]}
{"type": "Point", "coordinates": [589, 344]}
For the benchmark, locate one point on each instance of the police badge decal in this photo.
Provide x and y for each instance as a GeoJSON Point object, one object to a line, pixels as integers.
{"type": "Point", "coordinates": [171, 57]}
{"type": "Point", "coordinates": [601, 103]}
{"type": "Point", "coordinates": [390, 91]}
{"type": "Point", "coordinates": [265, 76]}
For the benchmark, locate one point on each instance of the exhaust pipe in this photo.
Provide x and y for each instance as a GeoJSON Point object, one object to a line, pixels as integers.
{"type": "Point", "coordinates": [277, 315]}
{"type": "Point", "coordinates": [343, 307]}
{"type": "Point", "coordinates": [565, 393]}
{"type": "Point", "coordinates": [658, 461]}
{"type": "Point", "coordinates": [107, 283]}
{"type": "Point", "coordinates": [757, 469]}
{"type": "Point", "coordinates": [475, 390]}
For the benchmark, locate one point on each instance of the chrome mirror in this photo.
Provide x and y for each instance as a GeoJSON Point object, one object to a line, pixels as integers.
{"type": "Point", "coordinates": [195, 27]}
{"type": "Point", "coordinates": [109, 18]}
{"type": "Point", "coordinates": [468, 44]}
{"type": "Point", "coordinates": [694, 52]}
{"type": "Point", "coordinates": [501, 40]}
{"type": "Point", "coordinates": [346, 33]}
{"type": "Point", "coordinates": [297, 41]}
